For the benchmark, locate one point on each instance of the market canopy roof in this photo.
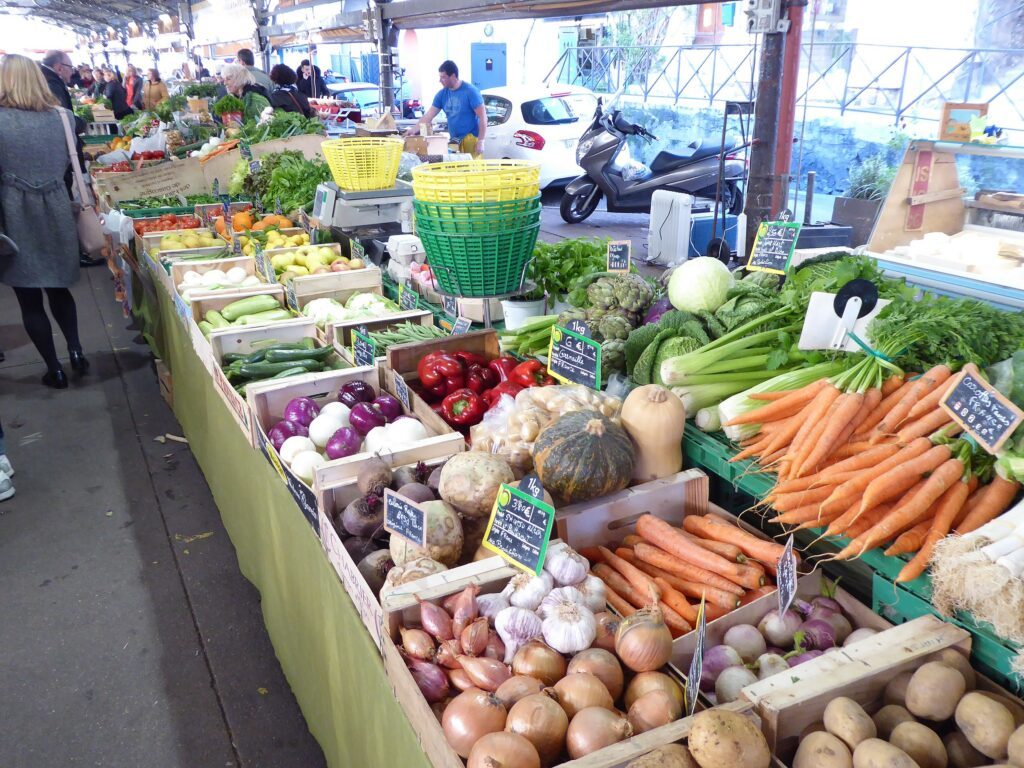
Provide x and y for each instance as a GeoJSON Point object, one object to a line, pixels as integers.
{"type": "Point", "coordinates": [419, 14]}
{"type": "Point", "coordinates": [89, 15]}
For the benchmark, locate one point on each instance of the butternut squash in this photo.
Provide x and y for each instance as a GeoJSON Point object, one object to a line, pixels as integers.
{"type": "Point", "coordinates": [655, 419]}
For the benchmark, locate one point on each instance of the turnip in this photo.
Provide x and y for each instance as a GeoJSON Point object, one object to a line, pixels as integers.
{"type": "Point", "coordinates": [769, 664]}
{"type": "Point", "coordinates": [716, 660]}
{"type": "Point", "coordinates": [779, 630]}
{"type": "Point", "coordinates": [827, 603]}
{"type": "Point", "coordinates": [840, 626]}
{"type": "Point", "coordinates": [859, 634]}
{"type": "Point", "coordinates": [818, 634]}
{"type": "Point", "coordinates": [731, 682]}
{"type": "Point", "coordinates": [746, 641]}
{"type": "Point", "coordinates": [799, 659]}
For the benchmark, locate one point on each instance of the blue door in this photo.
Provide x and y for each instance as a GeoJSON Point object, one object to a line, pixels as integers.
{"type": "Point", "coordinates": [488, 65]}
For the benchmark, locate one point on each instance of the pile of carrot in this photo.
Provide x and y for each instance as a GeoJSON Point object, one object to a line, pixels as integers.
{"type": "Point", "coordinates": [709, 557]}
{"type": "Point", "coordinates": [876, 466]}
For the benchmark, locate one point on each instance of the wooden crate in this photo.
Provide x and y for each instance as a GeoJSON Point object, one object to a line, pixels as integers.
{"type": "Point", "coordinates": [220, 299]}
{"type": "Point", "coordinates": [339, 286]}
{"type": "Point", "coordinates": [178, 269]}
{"type": "Point", "coordinates": [217, 209]}
{"type": "Point", "coordinates": [143, 244]}
{"type": "Point", "coordinates": [404, 357]}
{"type": "Point", "coordinates": [340, 334]}
{"type": "Point", "coordinates": [267, 401]}
{"type": "Point", "coordinates": [139, 237]}
{"type": "Point", "coordinates": [163, 375]}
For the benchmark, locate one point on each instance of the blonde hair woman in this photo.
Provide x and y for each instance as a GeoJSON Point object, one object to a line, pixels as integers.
{"type": "Point", "coordinates": [240, 83]}
{"type": "Point", "coordinates": [35, 212]}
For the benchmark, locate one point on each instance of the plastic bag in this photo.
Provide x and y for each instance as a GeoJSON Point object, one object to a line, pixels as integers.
{"type": "Point", "coordinates": [493, 436]}
{"type": "Point", "coordinates": [566, 398]}
{"type": "Point", "coordinates": [633, 169]}
{"type": "Point", "coordinates": [407, 162]}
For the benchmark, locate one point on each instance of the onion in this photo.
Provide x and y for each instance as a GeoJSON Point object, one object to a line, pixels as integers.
{"type": "Point", "coordinates": [516, 688]}
{"type": "Point", "coordinates": [486, 674]}
{"type": "Point", "coordinates": [859, 634]}
{"type": "Point", "coordinates": [474, 637]}
{"type": "Point", "coordinates": [471, 716]}
{"type": "Point", "coordinates": [344, 442]}
{"type": "Point", "coordinates": [652, 681]}
{"type": "Point", "coordinates": [779, 630]}
{"type": "Point", "coordinates": [603, 665]}
{"type": "Point", "coordinates": [494, 648]}
{"type": "Point", "coordinates": [643, 642]}
{"type": "Point", "coordinates": [435, 620]}
{"type": "Point", "coordinates": [302, 410]}
{"type": "Point", "coordinates": [448, 652]}
{"type": "Point", "coordinates": [389, 406]}
{"type": "Point", "coordinates": [653, 710]}
{"type": "Point", "coordinates": [595, 728]}
{"type": "Point", "coordinates": [503, 750]}
{"type": "Point", "coordinates": [581, 690]}
{"type": "Point", "coordinates": [464, 610]}
{"type": "Point", "coordinates": [459, 679]}
{"type": "Point", "coordinates": [717, 660]}
{"type": "Point", "coordinates": [356, 392]}
{"type": "Point", "coordinates": [542, 721]}
{"type": "Point", "coordinates": [537, 659]}
{"type": "Point", "coordinates": [430, 678]}
{"type": "Point", "coordinates": [746, 640]}
{"type": "Point", "coordinates": [285, 429]}
{"type": "Point", "coordinates": [731, 682]}
{"type": "Point", "coordinates": [417, 643]}
{"type": "Point", "coordinates": [607, 626]}
{"type": "Point", "coordinates": [365, 417]}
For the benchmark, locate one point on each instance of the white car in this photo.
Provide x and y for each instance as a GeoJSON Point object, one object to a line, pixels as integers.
{"type": "Point", "coordinates": [539, 123]}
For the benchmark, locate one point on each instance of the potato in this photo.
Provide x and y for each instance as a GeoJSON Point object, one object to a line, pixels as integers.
{"type": "Point", "coordinates": [922, 744]}
{"type": "Point", "coordinates": [934, 691]}
{"type": "Point", "coordinates": [987, 724]}
{"type": "Point", "coordinates": [896, 690]}
{"type": "Point", "coordinates": [959, 662]}
{"type": "Point", "coordinates": [875, 753]}
{"type": "Point", "coordinates": [1015, 747]}
{"type": "Point", "coordinates": [822, 750]}
{"type": "Point", "coordinates": [847, 719]}
{"type": "Point", "coordinates": [961, 753]}
{"type": "Point", "coordinates": [888, 717]}
{"type": "Point", "coordinates": [814, 727]}
{"type": "Point", "coordinates": [1011, 704]}
{"type": "Point", "coordinates": [668, 756]}
{"type": "Point", "coordinates": [723, 738]}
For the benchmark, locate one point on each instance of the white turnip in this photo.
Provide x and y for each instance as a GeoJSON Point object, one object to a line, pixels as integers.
{"type": "Point", "coordinates": [731, 682]}
{"type": "Point", "coordinates": [746, 641]}
{"type": "Point", "coordinates": [716, 660]}
{"type": "Point", "coordinates": [779, 630]}
{"type": "Point", "coordinates": [769, 664]}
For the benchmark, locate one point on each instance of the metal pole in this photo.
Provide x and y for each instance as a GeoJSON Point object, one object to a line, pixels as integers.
{"type": "Point", "coordinates": [766, 132]}
{"type": "Point", "coordinates": [808, 197]}
{"type": "Point", "coordinates": [385, 38]}
{"type": "Point", "coordinates": [787, 104]}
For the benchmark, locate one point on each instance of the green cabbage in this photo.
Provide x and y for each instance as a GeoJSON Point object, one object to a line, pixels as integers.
{"type": "Point", "coordinates": [700, 285]}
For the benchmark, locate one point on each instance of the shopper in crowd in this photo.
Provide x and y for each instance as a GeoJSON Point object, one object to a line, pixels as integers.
{"type": "Point", "coordinates": [57, 69]}
{"type": "Point", "coordinates": [133, 87]}
{"type": "Point", "coordinates": [247, 60]}
{"type": "Point", "coordinates": [85, 77]}
{"type": "Point", "coordinates": [285, 95]}
{"type": "Point", "coordinates": [221, 89]}
{"type": "Point", "coordinates": [99, 83]}
{"type": "Point", "coordinates": [6, 470]}
{"type": "Point", "coordinates": [240, 83]}
{"type": "Point", "coordinates": [114, 92]}
{"type": "Point", "coordinates": [462, 105]}
{"type": "Point", "coordinates": [154, 91]}
{"type": "Point", "coordinates": [310, 82]}
{"type": "Point", "coordinates": [35, 208]}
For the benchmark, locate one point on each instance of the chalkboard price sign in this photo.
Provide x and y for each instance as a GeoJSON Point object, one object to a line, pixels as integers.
{"type": "Point", "coordinates": [405, 518]}
{"type": "Point", "coordinates": [981, 410]}
{"type": "Point", "coordinates": [409, 299]}
{"type": "Point", "coordinates": [364, 350]}
{"type": "Point", "coordinates": [462, 325]}
{"type": "Point", "coordinates": [356, 250]}
{"type": "Point", "coordinates": [531, 484]}
{"type": "Point", "coordinates": [573, 358]}
{"type": "Point", "coordinates": [619, 255]}
{"type": "Point", "coordinates": [289, 296]}
{"type": "Point", "coordinates": [697, 662]}
{"type": "Point", "coordinates": [773, 246]}
{"type": "Point", "coordinates": [401, 390]}
{"type": "Point", "coordinates": [245, 149]}
{"type": "Point", "coordinates": [786, 576]}
{"type": "Point", "coordinates": [451, 306]}
{"type": "Point", "coordinates": [519, 528]}
{"type": "Point", "coordinates": [263, 265]}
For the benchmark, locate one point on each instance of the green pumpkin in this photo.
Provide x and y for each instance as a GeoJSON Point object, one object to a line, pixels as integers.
{"type": "Point", "coordinates": [583, 455]}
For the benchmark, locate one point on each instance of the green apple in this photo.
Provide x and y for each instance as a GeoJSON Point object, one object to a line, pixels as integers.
{"type": "Point", "coordinates": [282, 260]}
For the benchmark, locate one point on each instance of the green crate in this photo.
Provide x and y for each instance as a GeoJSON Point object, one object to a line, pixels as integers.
{"type": "Point", "coordinates": [151, 213]}
{"type": "Point", "coordinates": [102, 138]}
{"type": "Point", "coordinates": [712, 452]}
{"type": "Point", "coordinates": [472, 265]}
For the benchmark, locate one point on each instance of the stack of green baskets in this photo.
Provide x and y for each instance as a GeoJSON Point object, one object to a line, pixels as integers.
{"type": "Point", "coordinates": [478, 222]}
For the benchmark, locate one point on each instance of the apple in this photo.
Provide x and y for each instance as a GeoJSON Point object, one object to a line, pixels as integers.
{"type": "Point", "coordinates": [339, 266]}
{"type": "Point", "coordinates": [356, 264]}
{"type": "Point", "coordinates": [321, 271]}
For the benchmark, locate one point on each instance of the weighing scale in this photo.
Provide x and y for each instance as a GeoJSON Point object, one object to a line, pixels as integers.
{"type": "Point", "coordinates": [334, 207]}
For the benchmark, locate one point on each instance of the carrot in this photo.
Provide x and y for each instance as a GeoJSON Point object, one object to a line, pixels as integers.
{"type": "Point", "coordinates": [891, 384]}
{"type": "Point", "coordinates": [846, 407]}
{"type": "Point", "coordinates": [713, 611]}
{"type": "Point", "coordinates": [796, 516]}
{"type": "Point", "coordinates": [851, 449]}
{"type": "Point", "coordinates": [640, 581]}
{"type": "Point", "coordinates": [868, 520]}
{"type": "Point", "coordinates": [728, 551]}
{"type": "Point", "coordinates": [812, 414]}
{"type": "Point", "coordinates": [676, 601]}
{"type": "Point", "coordinates": [798, 454]}
{"type": "Point", "coordinates": [753, 450]}
{"type": "Point", "coordinates": [784, 502]}
{"type": "Point", "coordinates": [868, 458]}
{"type": "Point", "coordinates": [912, 540]}
{"type": "Point", "coordinates": [677, 625]}
{"type": "Point", "coordinates": [887, 404]}
{"type": "Point", "coordinates": [616, 581]}
{"type": "Point", "coordinates": [687, 588]}
{"type": "Point", "coordinates": [782, 437]}
{"type": "Point", "coordinates": [872, 398]}
{"type": "Point", "coordinates": [948, 509]}
{"type": "Point", "coordinates": [790, 486]}
{"type": "Point", "coordinates": [901, 478]}
{"type": "Point", "coordinates": [845, 493]}
{"type": "Point", "coordinates": [802, 396]}
{"type": "Point", "coordinates": [663, 535]}
{"type": "Point", "coordinates": [817, 522]}
{"type": "Point", "coordinates": [593, 554]}
{"type": "Point", "coordinates": [684, 568]}
{"type": "Point", "coordinates": [924, 426]}
{"type": "Point", "coordinates": [919, 389]}
{"type": "Point", "coordinates": [930, 401]}
{"type": "Point", "coordinates": [720, 530]}
{"type": "Point", "coordinates": [619, 603]}
{"type": "Point", "coordinates": [756, 594]}
{"type": "Point", "coordinates": [995, 501]}
{"type": "Point", "coordinates": [630, 540]}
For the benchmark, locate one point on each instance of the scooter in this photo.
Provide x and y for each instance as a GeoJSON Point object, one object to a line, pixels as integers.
{"type": "Point", "coordinates": [696, 173]}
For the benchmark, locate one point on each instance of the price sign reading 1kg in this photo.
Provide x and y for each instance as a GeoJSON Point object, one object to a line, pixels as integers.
{"type": "Point", "coordinates": [786, 577]}
{"type": "Point", "coordinates": [773, 246]}
{"type": "Point", "coordinates": [408, 299]}
{"type": "Point", "coordinates": [573, 357]}
{"type": "Point", "coordinates": [405, 518]}
{"type": "Point", "coordinates": [697, 662]}
{"type": "Point", "coordinates": [981, 410]}
{"type": "Point", "coordinates": [364, 349]}
{"type": "Point", "coordinates": [519, 526]}
{"type": "Point", "coordinates": [619, 255]}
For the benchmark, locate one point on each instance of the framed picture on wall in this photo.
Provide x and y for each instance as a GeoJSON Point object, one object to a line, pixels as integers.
{"type": "Point", "coordinates": [956, 120]}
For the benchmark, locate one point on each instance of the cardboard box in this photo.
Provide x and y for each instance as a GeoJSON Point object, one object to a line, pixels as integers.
{"type": "Point", "coordinates": [424, 146]}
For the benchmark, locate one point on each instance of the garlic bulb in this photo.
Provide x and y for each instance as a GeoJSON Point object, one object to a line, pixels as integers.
{"type": "Point", "coordinates": [526, 590]}
{"type": "Point", "coordinates": [558, 596]}
{"type": "Point", "coordinates": [593, 591]}
{"type": "Point", "coordinates": [569, 627]}
{"type": "Point", "coordinates": [491, 605]}
{"type": "Point", "coordinates": [566, 566]}
{"type": "Point", "coordinates": [516, 627]}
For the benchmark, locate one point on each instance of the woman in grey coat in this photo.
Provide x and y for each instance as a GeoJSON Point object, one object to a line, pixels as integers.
{"type": "Point", "coordinates": [35, 212]}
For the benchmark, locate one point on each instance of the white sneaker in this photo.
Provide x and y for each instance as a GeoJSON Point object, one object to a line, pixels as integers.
{"type": "Point", "coordinates": [6, 487]}
{"type": "Point", "coordinates": [5, 465]}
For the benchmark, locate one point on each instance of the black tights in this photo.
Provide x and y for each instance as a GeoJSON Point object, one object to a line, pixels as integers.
{"type": "Point", "coordinates": [37, 324]}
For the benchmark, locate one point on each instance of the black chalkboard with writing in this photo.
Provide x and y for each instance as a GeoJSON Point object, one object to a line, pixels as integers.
{"type": "Point", "coordinates": [409, 300]}
{"type": "Point", "coordinates": [404, 518]}
{"type": "Point", "coordinates": [988, 416]}
{"type": "Point", "coordinates": [773, 246]}
{"type": "Point", "coordinates": [619, 255]}
{"type": "Point", "coordinates": [519, 528]}
{"type": "Point", "coordinates": [574, 359]}
{"type": "Point", "coordinates": [364, 350]}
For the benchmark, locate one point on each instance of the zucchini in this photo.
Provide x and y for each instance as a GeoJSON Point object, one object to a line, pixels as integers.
{"type": "Point", "coordinates": [270, 315]}
{"type": "Point", "coordinates": [293, 371]}
{"type": "Point", "coordinates": [205, 326]}
{"type": "Point", "coordinates": [216, 319]}
{"type": "Point", "coordinates": [249, 306]}
{"type": "Point", "coordinates": [266, 370]}
{"type": "Point", "coordinates": [284, 355]}
{"type": "Point", "coordinates": [231, 357]}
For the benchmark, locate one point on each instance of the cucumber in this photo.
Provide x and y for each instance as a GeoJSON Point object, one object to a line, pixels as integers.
{"type": "Point", "coordinates": [249, 306]}
{"type": "Point", "coordinates": [284, 355]}
{"type": "Point", "coordinates": [266, 370]}
{"type": "Point", "coordinates": [231, 357]}
{"type": "Point", "coordinates": [270, 315]}
{"type": "Point", "coordinates": [293, 371]}
{"type": "Point", "coordinates": [205, 327]}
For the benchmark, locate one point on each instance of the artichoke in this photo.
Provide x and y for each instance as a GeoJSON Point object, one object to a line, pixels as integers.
{"type": "Point", "coordinates": [613, 358]}
{"type": "Point", "coordinates": [601, 293]}
{"type": "Point", "coordinates": [613, 327]}
{"type": "Point", "coordinates": [574, 313]}
{"type": "Point", "coordinates": [633, 293]}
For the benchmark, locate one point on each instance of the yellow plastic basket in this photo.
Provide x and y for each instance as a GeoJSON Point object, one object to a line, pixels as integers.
{"type": "Point", "coordinates": [363, 163]}
{"type": "Point", "coordinates": [476, 181]}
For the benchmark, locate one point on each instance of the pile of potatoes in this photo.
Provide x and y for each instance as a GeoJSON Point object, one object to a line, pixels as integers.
{"type": "Point", "coordinates": [931, 717]}
{"type": "Point", "coordinates": [717, 739]}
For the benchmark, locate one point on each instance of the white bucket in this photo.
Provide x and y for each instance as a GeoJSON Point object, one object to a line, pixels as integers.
{"type": "Point", "coordinates": [517, 313]}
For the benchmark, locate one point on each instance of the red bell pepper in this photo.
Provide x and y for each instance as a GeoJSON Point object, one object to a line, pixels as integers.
{"type": "Point", "coordinates": [492, 396]}
{"type": "Point", "coordinates": [440, 373]}
{"type": "Point", "coordinates": [530, 374]}
{"type": "Point", "coordinates": [503, 366]}
{"type": "Point", "coordinates": [480, 378]}
{"type": "Point", "coordinates": [470, 358]}
{"type": "Point", "coordinates": [463, 408]}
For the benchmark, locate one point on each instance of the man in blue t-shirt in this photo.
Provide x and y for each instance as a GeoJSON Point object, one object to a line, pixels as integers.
{"type": "Point", "coordinates": [463, 107]}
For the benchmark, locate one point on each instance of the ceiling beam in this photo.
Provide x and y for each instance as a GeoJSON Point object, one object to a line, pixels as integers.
{"type": "Point", "coordinates": [351, 20]}
{"type": "Point", "coordinates": [420, 14]}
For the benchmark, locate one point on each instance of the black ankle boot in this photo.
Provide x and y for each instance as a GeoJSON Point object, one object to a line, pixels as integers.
{"type": "Point", "coordinates": [78, 360]}
{"type": "Point", "coordinates": [56, 379]}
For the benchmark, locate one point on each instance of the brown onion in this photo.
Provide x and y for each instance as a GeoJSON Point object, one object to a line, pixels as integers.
{"type": "Point", "coordinates": [652, 681]}
{"type": "Point", "coordinates": [471, 716]}
{"type": "Point", "coordinates": [538, 659]}
{"type": "Point", "coordinates": [485, 673]}
{"type": "Point", "coordinates": [448, 654]}
{"type": "Point", "coordinates": [449, 602]}
{"type": "Point", "coordinates": [653, 710]}
{"type": "Point", "coordinates": [495, 649]}
{"type": "Point", "coordinates": [541, 720]}
{"type": "Point", "coordinates": [465, 609]}
{"type": "Point", "coordinates": [603, 665]}
{"type": "Point", "coordinates": [516, 688]}
{"type": "Point", "coordinates": [595, 728]}
{"type": "Point", "coordinates": [417, 643]}
{"type": "Point", "coordinates": [459, 679]}
{"type": "Point", "coordinates": [435, 620]}
{"type": "Point", "coordinates": [503, 750]}
{"type": "Point", "coordinates": [607, 626]}
{"type": "Point", "coordinates": [474, 637]}
{"type": "Point", "coordinates": [582, 690]}
{"type": "Point", "coordinates": [643, 642]}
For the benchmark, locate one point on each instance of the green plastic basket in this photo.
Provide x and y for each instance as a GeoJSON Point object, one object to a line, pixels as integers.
{"type": "Point", "coordinates": [476, 224]}
{"type": "Point", "coordinates": [477, 210]}
{"type": "Point", "coordinates": [473, 265]}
